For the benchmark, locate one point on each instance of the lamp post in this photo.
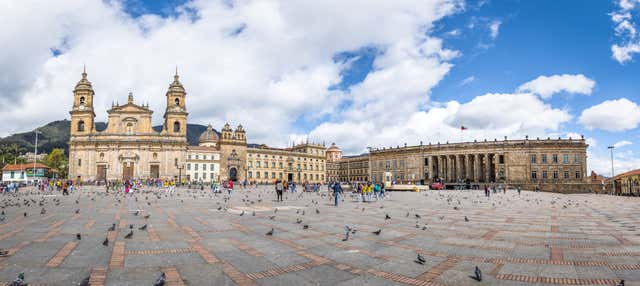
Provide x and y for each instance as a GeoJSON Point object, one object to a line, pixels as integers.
{"type": "Point", "coordinates": [180, 167]}
{"type": "Point", "coordinates": [35, 155]}
{"type": "Point", "coordinates": [613, 182]}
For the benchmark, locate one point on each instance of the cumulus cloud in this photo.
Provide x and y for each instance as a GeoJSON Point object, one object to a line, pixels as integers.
{"type": "Point", "coordinates": [547, 86]}
{"type": "Point", "coordinates": [626, 31]}
{"type": "Point", "coordinates": [611, 115]}
{"type": "Point", "coordinates": [264, 64]}
{"type": "Point", "coordinates": [489, 116]}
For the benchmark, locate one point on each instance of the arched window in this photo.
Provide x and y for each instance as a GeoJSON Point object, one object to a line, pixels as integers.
{"type": "Point", "coordinates": [176, 126]}
{"type": "Point", "coordinates": [80, 126]}
{"type": "Point", "coordinates": [177, 101]}
{"type": "Point", "coordinates": [82, 100]}
{"type": "Point", "coordinates": [129, 128]}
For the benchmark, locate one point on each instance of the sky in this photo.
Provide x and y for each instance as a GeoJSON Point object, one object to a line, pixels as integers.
{"type": "Point", "coordinates": [358, 73]}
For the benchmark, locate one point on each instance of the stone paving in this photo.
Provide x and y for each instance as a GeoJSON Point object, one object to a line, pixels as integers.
{"type": "Point", "coordinates": [199, 238]}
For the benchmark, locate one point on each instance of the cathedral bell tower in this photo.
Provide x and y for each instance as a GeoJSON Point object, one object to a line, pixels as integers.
{"type": "Point", "coordinates": [82, 114]}
{"type": "Point", "coordinates": [175, 116]}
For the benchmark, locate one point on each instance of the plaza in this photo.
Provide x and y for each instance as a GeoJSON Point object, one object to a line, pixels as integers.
{"type": "Point", "coordinates": [197, 237]}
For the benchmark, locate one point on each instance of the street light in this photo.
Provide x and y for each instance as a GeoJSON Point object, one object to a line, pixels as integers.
{"type": "Point", "coordinates": [613, 183]}
{"type": "Point", "coordinates": [35, 155]}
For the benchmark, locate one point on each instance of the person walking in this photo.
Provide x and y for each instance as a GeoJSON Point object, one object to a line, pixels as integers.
{"type": "Point", "coordinates": [230, 187]}
{"type": "Point", "coordinates": [337, 190]}
{"type": "Point", "coordinates": [279, 189]}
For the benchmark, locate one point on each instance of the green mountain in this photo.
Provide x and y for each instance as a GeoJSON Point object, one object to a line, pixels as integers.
{"type": "Point", "coordinates": [56, 135]}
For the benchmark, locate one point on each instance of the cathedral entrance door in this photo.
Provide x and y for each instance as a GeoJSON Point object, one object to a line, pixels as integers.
{"type": "Point", "coordinates": [127, 171]}
{"type": "Point", "coordinates": [233, 174]}
{"type": "Point", "coordinates": [101, 173]}
{"type": "Point", "coordinates": [155, 171]}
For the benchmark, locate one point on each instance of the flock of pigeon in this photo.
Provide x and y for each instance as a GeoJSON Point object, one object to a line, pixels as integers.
{"type": "Point", "coordinates": [25, 201]}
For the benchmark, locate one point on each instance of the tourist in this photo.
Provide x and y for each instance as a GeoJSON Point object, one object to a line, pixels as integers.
{"type": "Point", "coordinates": [377, 190]}
{"type": "Point", "coordinates": [230, 186]}
{"type": "Point", "coordinates": [279, 188]}
{"type": "Point", "coordinates": [519, 189]}
{"type": "Point", "coordinates": [337, 190]}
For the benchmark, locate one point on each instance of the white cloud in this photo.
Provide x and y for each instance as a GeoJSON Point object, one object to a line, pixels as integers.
{"type": "Point", "coordinates": [494, 28]}
{"type": "Point", "coordinates": [600, 161]}
{"type": "Point", "coordinates": [278, 69]}
{"type": "Point", "coordinates": [546, 86]}
{"type": "Point", "coordinates": [490, 116]}
{"type": "Point", "coordinates": [625, 29]}
{"type": "Point", "coordinates": [468, 80]}
{"type": "Point", "coordinates": [611, 115]}
{"type": "Point", "coordinates": [622, 143]}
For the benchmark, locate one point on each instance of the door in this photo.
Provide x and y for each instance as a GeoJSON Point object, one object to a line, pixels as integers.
{"type": "Point", "coordinates": [127, 171]}
{"type": "Point", "coordinates": [101, 173]}
{"type": "Point", "coordinates": [290, 177]}
{"type": "Point", "coordinates": [233, 174]}
{"type": "Point", "coordinates": [155, 171]}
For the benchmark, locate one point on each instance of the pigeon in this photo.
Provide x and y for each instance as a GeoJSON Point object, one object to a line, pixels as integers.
{"type": "Point", "coordinates": [317, 211]}
{"type": "Point", "coordinates": [298, 221]}
{"type": "Point", "coordinates": [466, 219]}
{"type": "Point", "coordinates": [147, 216]}
{"type": "Point", "coordinates": [420, 259]}
{"type": "Point", "coordinates": [477, 275]}
{"type": "Point", "coordinates": [130, 226]}
{"type": "Point", "coordinates": [242, 213]}
{"type": "Point", "coordinates": [418, 216]}
{"type": "Point", "coordinates": [254, 213]}
{"type": "Point", "coordinates": [161, 280]}
{"type": "Point", "coordinates": [43, 211]}
{"type": "Point", "coordinates": [143, 227]}
{"type": "Point", "coordinates": [77, 202]}
{"type": "Point", "coordinates": [621, 283]}
{"type": "Point", "coordinates": [4, 253]}
{"type": "Point", "coordinates": [112, 228]}
{"type": "Point", "coordinates": [377, 232]}
{"type": "Point", "coordinates": [25, 214]}
{"type": "Point", "coordinates": [136, 213]}
{"type": "Point", "coordinates": [386, 217]}
{"type": "Point", "coordinates": [19, 281]}
{"type": "Point", "coordinates": [407, 215]}
{"type": "Point", "coordinates": [2, 219]}
{"type": "Point", "coordinates": [129, 235]}
{"type": "Point", "coordinates": [78, 236]}
{"type": "Point", "coordinates": [269, 232]}
{"type": "Point", "coordinates": [2, 212]}
{"type": "Point", "coordinates": [306, 226]}
{"type": "Point", "coordinates": [85, 281]}
{"type": "Point", "coordinates": [106, 241]}
{"type": "Point", "coordinates": [77, 211]}
{"type": "Point", "coordinates": [272, 217]}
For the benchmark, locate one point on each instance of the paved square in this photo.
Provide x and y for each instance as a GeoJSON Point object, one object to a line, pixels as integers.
{"type": "Point", "coordinates": [199, 238]}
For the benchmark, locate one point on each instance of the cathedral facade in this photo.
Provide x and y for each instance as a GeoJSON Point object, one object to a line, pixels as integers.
{"type": "Point", "coordinates": [129, 148]}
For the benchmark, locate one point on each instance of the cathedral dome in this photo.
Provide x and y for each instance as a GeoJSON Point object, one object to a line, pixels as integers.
{"type": "Point", "coordinates": [333, 147]}
{"type": "Point", "coordinates": [209, 136]}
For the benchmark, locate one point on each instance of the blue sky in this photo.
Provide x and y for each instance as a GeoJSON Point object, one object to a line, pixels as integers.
{"type": "Point", "coordinates": [372, 76]}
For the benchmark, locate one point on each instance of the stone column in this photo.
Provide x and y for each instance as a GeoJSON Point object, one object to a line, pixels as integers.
{"type": "Point", "coordinates": [476, 167]}
{"type": "Point", "coordinates": [487, 172]}
{"type": "Point", "coordinates": [467, 167]}
{"type": "Point", "coordinates": [450, 168]}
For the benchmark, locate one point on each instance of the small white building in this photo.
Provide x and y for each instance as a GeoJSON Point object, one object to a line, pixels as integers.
{"type": "Point", "coordinates": [24, 173]}
{"type": "Point", "coordinates": [203, 161]}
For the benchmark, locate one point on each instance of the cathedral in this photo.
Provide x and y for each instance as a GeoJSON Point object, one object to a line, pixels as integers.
{"type": "Point", "coordinates": [130, 148]}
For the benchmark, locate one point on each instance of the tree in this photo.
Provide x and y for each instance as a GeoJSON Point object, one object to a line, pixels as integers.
{"type": "Point", "coordinates": [57, 161]}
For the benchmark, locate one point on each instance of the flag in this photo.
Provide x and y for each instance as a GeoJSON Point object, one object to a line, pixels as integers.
{"type": "Point", "coordinates": [463, 128]}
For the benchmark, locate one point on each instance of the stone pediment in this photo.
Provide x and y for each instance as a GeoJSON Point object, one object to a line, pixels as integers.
{"type": "Point", "coordinates": [129, 108]}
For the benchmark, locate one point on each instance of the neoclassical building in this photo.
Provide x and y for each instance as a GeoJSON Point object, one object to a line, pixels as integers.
{"type": "Point", "coordinates": [551, 164]}
{"type": "Point", "coordinates": [129, 147]}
